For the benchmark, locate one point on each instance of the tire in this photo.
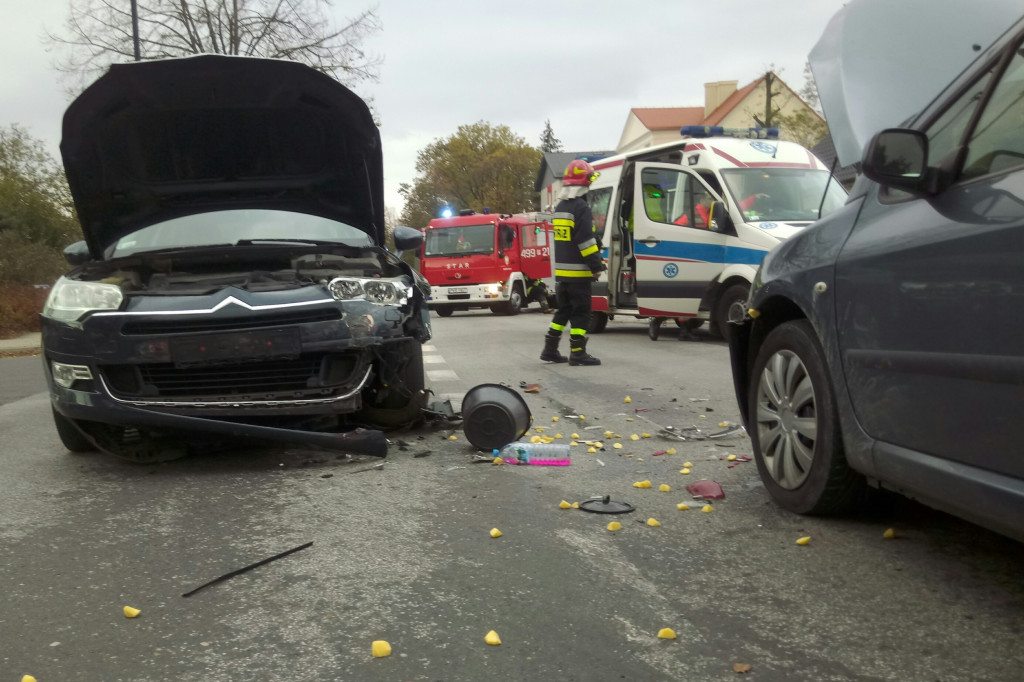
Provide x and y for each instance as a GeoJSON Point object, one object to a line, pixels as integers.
{"type": "Point", "coordinates": [598, 321]}
{"type": "Point", "coordinates": [794, 425]}
{"type": "Point", "coordinates": [69, 434]}
{"type": "Point", "coordinates": [654, 328]}
{"type": "Point", "coordinates": [444, 311]}
{"type": "Point", "coordinates": [514, 303]}
{"type": "Point", "coordinates": [732, 304]}
{"type": "Point", "coordinates": [396, 397]}
{"type": "Point", "coordinates": [690, 324]}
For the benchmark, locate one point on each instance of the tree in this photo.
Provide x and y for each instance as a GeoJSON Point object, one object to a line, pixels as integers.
{"type": "Point", "coordinates": [479, 166]}
{"type": "Point", "coordinates": [804, 127]}
{"type": "Point", "coordinates": [548, 141]}
{"type": "Point", "coordinates": [37, 216]}
{"type": "Point", "coordinates": [771, 110]}
{"type": "Point", "coordinates": [99, 32]}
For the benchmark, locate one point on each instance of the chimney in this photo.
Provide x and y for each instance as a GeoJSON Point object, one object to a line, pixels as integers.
{"type": "Point", "coordinates": [716, 93]}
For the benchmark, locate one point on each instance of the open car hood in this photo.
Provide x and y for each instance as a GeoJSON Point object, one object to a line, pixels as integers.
{"type": "Point", "coordinates": [879, 62]}
{"type": "Point", "coordinates": [155, 140]}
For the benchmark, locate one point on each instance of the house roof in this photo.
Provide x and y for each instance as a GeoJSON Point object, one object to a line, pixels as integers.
{"type": "Point", "coordinates": [665, 118]}
{"type": "Point", "coordinates": [730, 103]}
{"type": "Point", "coordinates": [557, 161]}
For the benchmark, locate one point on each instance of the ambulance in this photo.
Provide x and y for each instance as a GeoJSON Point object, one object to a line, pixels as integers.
{"type": "Point", "coordinates": [488, 260]}
{"type": "Point", "coordinates": [684, 225]}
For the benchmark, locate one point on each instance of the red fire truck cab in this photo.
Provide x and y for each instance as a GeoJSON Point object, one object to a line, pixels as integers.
{"type": "Point", "coordinates": [488, 260]}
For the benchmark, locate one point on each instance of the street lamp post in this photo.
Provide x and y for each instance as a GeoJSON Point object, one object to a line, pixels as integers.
{"type": "Point", "coordinates": [135, 29]}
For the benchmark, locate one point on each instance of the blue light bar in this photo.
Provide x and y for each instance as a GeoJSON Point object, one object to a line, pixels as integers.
{"type": "Point", "coordinates": [720, 131]}
{"type": "Point", "coordinates": [446, 212]}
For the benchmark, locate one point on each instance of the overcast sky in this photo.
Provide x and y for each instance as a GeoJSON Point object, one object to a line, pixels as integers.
{"type": "Point", "coordinates": [580, 63]}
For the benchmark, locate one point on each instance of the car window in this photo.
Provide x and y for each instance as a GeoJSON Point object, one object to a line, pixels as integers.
{"type": "Point", "coordinates": [947, 132]}
{"type": "Point", "coordinates": [997, 142]}
{"type": "Point", "coordinates": [664, 194]}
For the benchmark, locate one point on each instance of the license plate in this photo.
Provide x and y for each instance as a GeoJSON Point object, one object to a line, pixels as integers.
{"type": "Point", "coordinates": [254, 345]}
{"type": "Point", "coordinates": [458, 290]}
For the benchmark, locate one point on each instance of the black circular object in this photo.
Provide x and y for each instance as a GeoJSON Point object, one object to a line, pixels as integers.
{"type": "Point", "coordinates": [494, 416]}
{"type": "Point", "coordinates": [606, 505]}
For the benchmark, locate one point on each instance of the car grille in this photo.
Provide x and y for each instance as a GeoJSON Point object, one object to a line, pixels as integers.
{"type": "Point", "coordinates": [221, 324]}
{"type": "Point", "coordinates": [308, 376]}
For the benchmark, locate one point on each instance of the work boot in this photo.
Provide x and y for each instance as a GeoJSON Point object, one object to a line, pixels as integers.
{"type": "Point", "coordinates": [579, 356]}
{"type": "Point", "coordinates": [550, 352]}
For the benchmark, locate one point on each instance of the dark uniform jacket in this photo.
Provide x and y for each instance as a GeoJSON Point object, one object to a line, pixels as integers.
{"type": "Point", "coordinates": [577, 249]}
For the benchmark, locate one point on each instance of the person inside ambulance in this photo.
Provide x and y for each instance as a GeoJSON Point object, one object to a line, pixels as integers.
{"type": "Point", "coordinates": [577, 263]}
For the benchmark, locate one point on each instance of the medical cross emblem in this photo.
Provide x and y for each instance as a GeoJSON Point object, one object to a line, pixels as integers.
{"type": "Point", "coordinates": [670, 270]}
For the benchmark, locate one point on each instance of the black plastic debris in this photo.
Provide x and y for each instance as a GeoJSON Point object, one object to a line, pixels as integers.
{"type": "Point", "coordinates": [606, 505]}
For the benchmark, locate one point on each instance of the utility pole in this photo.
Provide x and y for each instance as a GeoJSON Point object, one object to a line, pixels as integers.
{"type": "Point", "coordinates": [135, 29]}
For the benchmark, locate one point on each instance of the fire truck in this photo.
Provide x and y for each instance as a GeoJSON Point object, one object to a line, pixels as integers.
{"type": "Point", "coordinates": [488, 260]}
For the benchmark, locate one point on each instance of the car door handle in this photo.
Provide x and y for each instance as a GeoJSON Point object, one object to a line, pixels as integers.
{"type": "Point", "coordinates": [650, 241]}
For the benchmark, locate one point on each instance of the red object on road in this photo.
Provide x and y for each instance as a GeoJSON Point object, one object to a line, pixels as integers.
{"type": "Point", "coordinates": [709, 490]}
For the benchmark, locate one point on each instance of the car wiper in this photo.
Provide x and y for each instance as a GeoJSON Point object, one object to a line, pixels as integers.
{"type": "Point", "coordinates": [315, 242]}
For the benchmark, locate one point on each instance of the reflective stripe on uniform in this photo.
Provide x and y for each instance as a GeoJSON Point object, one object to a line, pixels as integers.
{"type": "Point", "coordinates": [577, 332]}
{"type": "Point", "coordinates": [559, 272]}
{"type": "Point", "coordinates": [588, 247]}
{"type": "Point", "coordinates": [558, 327]}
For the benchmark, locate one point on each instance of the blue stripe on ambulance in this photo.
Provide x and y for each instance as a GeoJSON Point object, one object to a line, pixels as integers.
{"type": "Point", "coordinates": [708, 253]}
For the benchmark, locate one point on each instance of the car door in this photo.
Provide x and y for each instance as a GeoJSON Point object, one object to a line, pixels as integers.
{"type": "Point", "coordinates": [676, 253]}
{"type": "Point", "coordinates": [930, 292]}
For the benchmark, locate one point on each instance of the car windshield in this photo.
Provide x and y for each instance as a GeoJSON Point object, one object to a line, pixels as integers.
{"type": "Point", "coordinates": [782, 193]}
{"type": "Point", "coordinates": [233, 226]}
{"type": "Point", "coordinates": [458, 241]}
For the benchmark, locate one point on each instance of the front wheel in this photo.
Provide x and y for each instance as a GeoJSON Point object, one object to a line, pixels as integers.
{"type": "Point", "coordinates": [731, 307]}
{"type": "Point", "coordinates": [514, 303]}
{"type": "Point", "coordinates": [444, 311]}
{"type": "Point", "coordinates": [397, 396]}
{"type": "Point", "coordinates": [794, 423]}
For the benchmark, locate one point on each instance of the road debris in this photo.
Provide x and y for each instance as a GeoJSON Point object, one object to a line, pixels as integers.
{"type": "Point", "coordinates": [614, 526]}
{"type": "Point", "coordinates": [806, 540]}
{"type": "Point", "coordinates": [232, 574]}
{"type": "Point", "coordinates": [741, 667]}
{"type": "Point", "coordinates": [665, 488]}
{"type": "Point", "coordinates": [682, 506]}
{"type": "Point", "coordinates": [653, 522]}
{"type": "Point", "coordinates": [492, 638]}
{"type": "Point", "coordinates": [642, 484]}
{"type": "Point", "coordinates": [606, 505]}
{"type": "Point", "coordinates": [707, 509]}
{"type": "Point", "coordinates": [889, 534]}
{"type": "Point", "coordinates": [666, 633]}
{"type": "Point", "coordinates": [375, 467]}
{"type": "Point", "coordinates": [599, 461]}
{"type": "Point", "coordinates": [495, 533]}
{"type": "Point", "coordinates": [710, 490]}
{"type": "Point", "coordinates": [422, 453]}
{"type": "Point", "coordinates": [685, 471]}
{"type": "Point", "coordinates": [130, 612]}
{"type": "Point", "coordinates": [380, 649]}
{"type": "Point", "coordinates": [733, 430]}
{"type": "Point", "coordinates": [564, 505]}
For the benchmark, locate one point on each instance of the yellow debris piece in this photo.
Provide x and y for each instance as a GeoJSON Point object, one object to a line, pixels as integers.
{"type": "Point", "coordinates": [607, 434]}
{"type": "Point", "coordinates": [688, 465]}
{"type": "Point", "coordinates": [564, 505]}
{"type": "Point", "coordinates": [535, 439]}
{"type": "Point", "coordinates": [634, 437]}
{"type": "Point", "coordinates": [731, 458]}
{"type": "Point", "coordinates": [629, 419]}
{"type": "Point", "coordinates": [645, 435]}
{"type": "Point", "coordinates": [664, 487]}
{"type": "Point", "coordinates": [617, 446]}
{"type": "Point", "coordinates": [453, 437]}
{"type": "Point", "coordinates": [557, 436]}
{"type": "Point", "coordinates": [575, 436]}
{"type": "Point", "coordinates": [539, 429]}
{"type": "Point", "coordinates": [380, 649]}
{"type": "Point", "coordinates": [707, 509]}
{"type": "Point", "coordinates": [497, 460]}
{"type": "Point", "coordinates": [642, 484]}
{"type": "Point", "coordinates": [639, 459]}
{"type": "Point", "coordinates": [684, 471]}
{"type": "Point", "coordinates": [575, 505]}
{"type": "Point", "coordinates": [28, 678]}
{"type": "Point", "coordinates": [670, 451]}
{"type": "Point", "coordinates": [666, 633]}
{"type": "Point", "coordinates": [527, 433]}
{"type": "Point", "coordinates": [492, 638]}
{"type": "Point", "coordinates": [591, 450]}
{"type": "Point", "coordinates": [628, 400]}
{"type": "Point", "coordinates": [582, 418]}
{"type": "Point", "coordinates": [546, 439]}
{"type": "Point", "coordinates": [703, 416]}
{"type": "Point", "coordinates": [554, 419]}
{"type": "Point", "coordinates": [806, 540]}
{"type": "Point", "coordinates": [754, 313]}
{"type": "Point", "coordinates": [574, 443]}
{"type": "Point", "coordinates": [614, 526]}
{"type": "Point", "coordinates": [889, 534]}
{"type": "Point", "coordinates": [495, 533]}
{"type": "Point", "coordinates": [682, 506]}
{"type": "Point", "coordinates": [723, 424]}
{"type": "Point", "coordinates": [617, 436]}
{"type": "Point", "coordinates": [653, 522]}
{"type": "Point", "coordinates": [129, 612]}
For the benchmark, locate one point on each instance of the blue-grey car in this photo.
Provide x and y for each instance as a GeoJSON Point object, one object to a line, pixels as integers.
{"type": "Point", "coordinates": [884, 345]}
{"type": "Point", "coordinates": [233, 282]}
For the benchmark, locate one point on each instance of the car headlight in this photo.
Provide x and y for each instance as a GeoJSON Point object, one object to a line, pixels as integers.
{"type": "Point", "coordinates": [379, 291]}
{"type": "Point", "coordinates": [70, 299]}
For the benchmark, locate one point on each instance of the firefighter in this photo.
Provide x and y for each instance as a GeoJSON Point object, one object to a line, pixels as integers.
{"type": "Point", "coordinates": [577, 262]}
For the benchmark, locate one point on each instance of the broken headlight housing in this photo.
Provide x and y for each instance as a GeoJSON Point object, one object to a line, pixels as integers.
{"type": "Point", "coordinates": [70, 299]}
{"type": "Point", "coordinates": [379, 291]}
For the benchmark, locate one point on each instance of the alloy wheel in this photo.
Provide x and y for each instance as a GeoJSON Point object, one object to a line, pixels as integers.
{"type": "Point", "coordinates": [787, 423]}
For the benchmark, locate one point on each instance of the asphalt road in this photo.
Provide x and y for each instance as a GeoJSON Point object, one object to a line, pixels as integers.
{"type": "Point", "coordinates": [403, 554]}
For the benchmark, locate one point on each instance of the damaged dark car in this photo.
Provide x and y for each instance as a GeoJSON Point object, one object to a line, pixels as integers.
{"type": "Point", "coordinates": [233, 281]}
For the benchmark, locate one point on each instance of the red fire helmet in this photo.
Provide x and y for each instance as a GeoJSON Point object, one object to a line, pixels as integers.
{"type": "Point", "coordinates": [579, 172]}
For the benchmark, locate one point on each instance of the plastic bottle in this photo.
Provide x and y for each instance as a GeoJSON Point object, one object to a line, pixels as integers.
{"type": "Point", "coordinates": [538, 454]}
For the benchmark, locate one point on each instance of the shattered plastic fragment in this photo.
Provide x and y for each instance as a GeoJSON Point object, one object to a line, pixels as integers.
{"type": "Point", "coordinates": [575, 436]}
{"type": "Point", "coordinates": [889, 534]}
{"type": "Point", "coordinates": [575, 505]}
{"type": "Point", "coordinates": [453, 437]}
{"type": "Point", "coordinates": [617, 446]}
{"type": "Point", "coordinates": [688, 465]}
{"type": "Point", "coordinates": [684, 471]}
{"type": "Point", "coordinates": [629, 419]}
{"type": "Point", "coordinates": [557, 436]}
{"type": "Point", "coordinates": [665, 488]}
{"type": "Point", "coordinates": [707, 509]}
{"type": "Point", "coordinates": [497, 460]}
{"type": "Point", "coordinates": [659, 453]}
{"type": "Point", "coordinates": [642, 484]}
{"type": "Point", "coordinates": [531, 388]}
{"type": "Point", "coordinates": [806, 540]}
{"type": "Point", "coordinates": [599, 461]}
{"type": "Point", "coordinates": [554, 419]}
{"type": "Point", "coordinates": [535, 439]}
{"type": "Point", "coordinates": [723, 424]}
{"type": "Point", "coordinates": [634, 437]}
{"type": "Point", "coordinates": [670, 451]}
{"type": "Point", "coordinates": [130, 612]}
{"type": "Point", "coordinates": [573, 443]}
{"type": "Point", "coordinates": [614, 526]}
{"type": "Point", "coordinates": [539, 429]}
{"type": "Point", "coordinates": [492, 638]}
{"type": "Point", "coordinates": [27, 678]}
{"type": "Point", "coordinates": [495, 533]}
{"type": "Point", "coordinates": [607, 434]}
{"type": "Point", "coordinates": [707, 489]}
{"type": "Point", "coordinates": [666, 633]}
{"type": "Point", "coordinates": [645, 435]}
{"type": "Point", "coordinates": [731, 458]}
{"type": "Point", "coordinates": [702, 417]}
{"type": "Point", "coordinates": [380, 649]}
{"type": "Point", "coordinates": [653, 522]}
{"type": "Point", "coordinates": [564, 505]}
{"type": "Point", "coordinates": [682, 506]}
{"type": "Point", "coordinates": [628, 400]}
{"type": "Point", "coordinates": [743, 667]}
{"type": "Point", "coordinates": [591, 450]}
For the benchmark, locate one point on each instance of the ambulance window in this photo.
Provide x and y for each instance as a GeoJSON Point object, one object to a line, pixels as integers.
{"type": "Point", "coordinates": [712, 181]}
{"type": "Point", "coordinates": [664, 194]}
{"type": "Point", "coordinates": [599, 200]}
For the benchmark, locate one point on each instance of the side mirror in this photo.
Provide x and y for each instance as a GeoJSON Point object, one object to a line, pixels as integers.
{"type": "Point", "coordinates": [720, 219]}
{"type": "Point", "coordinates": [77, 254]}
{"type": "Point", "coordinates": [898, 158]}
{"type": "Point", "coordinates": [407, 238]}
